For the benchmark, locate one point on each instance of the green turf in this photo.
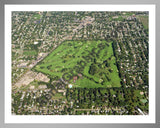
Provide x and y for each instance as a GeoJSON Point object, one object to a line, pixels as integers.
{"type": "Point", "coordinates": [129, 13]}
{"type": "Point", "coordinates": [37, 16]}
{"type": "Point", "coordinates": [30, 53]}
{"type": "Point", "coordinates": [78, 57]}
{"type": "Point", "coordinates": [143, 100]}
{"type": "Point", "coordinates": [120, 18]}
{"type": "Point", "coordinates": [144, 20]}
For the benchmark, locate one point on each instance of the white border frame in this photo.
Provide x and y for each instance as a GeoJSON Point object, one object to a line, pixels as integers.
{"type": "Point", "coordinates": [9, 118]}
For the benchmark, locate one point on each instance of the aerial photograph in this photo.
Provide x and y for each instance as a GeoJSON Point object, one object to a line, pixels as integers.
{"type": "Point", "coordinates": [80, 63]}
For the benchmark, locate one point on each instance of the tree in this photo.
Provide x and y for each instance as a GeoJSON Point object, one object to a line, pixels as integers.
{"type": "Point", "coordinates": [93, 69]}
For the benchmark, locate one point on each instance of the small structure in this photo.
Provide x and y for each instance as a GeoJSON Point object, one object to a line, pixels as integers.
{"type": "Point", "coordinates": [35, 43]}
{"type": "Point", "coordinates": [80, 75]}
{"type": "Point", "coordinates": [32, 87]}
{"type": "Point", "coordinates": [62, 91]}
{"type": "Point", "coordinates": [75, 78]}
{"type": "Point", "coordinates": [141, 93]}
{"type": "Point", "coordinates": [115, 17]}
{"type": "Point", "coordinates": [70, 85]}
{"type": "Point", "coordinates": [42, 87]}
{"type": "Point", "coordinates": [22, 65]}
{"type": "Point", "coordinates": [42, 77]}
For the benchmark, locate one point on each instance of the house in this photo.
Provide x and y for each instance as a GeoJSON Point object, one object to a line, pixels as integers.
{"type": "Point", "coordinates": [80, 75]}
{"type": "Point", "coordinates": [75, 78]}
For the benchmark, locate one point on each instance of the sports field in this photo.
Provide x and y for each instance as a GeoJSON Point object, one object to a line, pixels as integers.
{"type": "Point", "coordinates": [85, 64]}
{"type": "Point", "coordinates": [144, 20]}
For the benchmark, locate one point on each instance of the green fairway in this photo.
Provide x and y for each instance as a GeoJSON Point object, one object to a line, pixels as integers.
{"type": "Point", "coordinates": [86, 64]}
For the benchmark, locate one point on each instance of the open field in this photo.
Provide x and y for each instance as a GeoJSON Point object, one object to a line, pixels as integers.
{"type": "Point", "coordinates": [88, 64]}
{"type": "Point", "coordinates": [37, 16]}
{"type": "Point", "coordinates": [144, 20]}
{"type": "Point", "coordinates": [30, 53]}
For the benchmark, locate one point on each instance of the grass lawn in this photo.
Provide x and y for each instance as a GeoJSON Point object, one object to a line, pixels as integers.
{"type": "Point", "coordinates": [120, 18]}
{"type": "Point", "coordinates": [30, 53]}
{"type": "Point", "coordinates": [58, 96]}
{"type": "Point", "coordinates": [128, 13]}
{"type": "Point", "coordinates": [144, 20]}
{"type": "Point", "coordinates": [37, 16]}
{"type": "Point", "coordinates": [93, 60]}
